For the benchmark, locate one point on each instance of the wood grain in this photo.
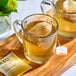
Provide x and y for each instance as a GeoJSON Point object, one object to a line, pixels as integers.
{"type": "Point", "coordinates": [12, 44]}
{"type": "Point", "coordinates": [55, 65]}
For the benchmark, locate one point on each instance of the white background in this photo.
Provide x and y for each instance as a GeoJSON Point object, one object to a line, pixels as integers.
{"type": "Point", "coordinates": [26, 8]}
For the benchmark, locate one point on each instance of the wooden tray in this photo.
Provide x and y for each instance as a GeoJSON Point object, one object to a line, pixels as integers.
{"type": "Point", "coordinates": [54, 67]}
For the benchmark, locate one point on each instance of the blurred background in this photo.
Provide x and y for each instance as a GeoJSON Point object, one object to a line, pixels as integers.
{"type": "Point", "coordinates": [24, 8]}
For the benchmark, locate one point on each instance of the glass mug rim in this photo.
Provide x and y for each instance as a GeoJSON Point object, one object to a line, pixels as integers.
{"type": "Point", "coordinates": [39, 14]}
{"type": "Point", "coordinates": [62, 10]}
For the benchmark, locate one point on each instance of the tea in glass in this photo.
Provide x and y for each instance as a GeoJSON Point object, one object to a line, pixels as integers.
{"type": "Point", "coordinates": [66, 19]}
{"type": "Point", "coordinates": [40, 44]}
{"type": "Point", "coordinates": [39, 32]}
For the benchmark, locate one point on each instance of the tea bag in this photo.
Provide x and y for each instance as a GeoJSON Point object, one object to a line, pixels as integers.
{"type": "Point", "coordinates": [41, 29]}
{"type": "Point", "coordinates": [69, 5]}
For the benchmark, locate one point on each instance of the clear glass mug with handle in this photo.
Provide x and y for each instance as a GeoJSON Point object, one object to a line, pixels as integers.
{"type": "Point", "coordinates": [64, 11]}
{"type": "Point", "coordinates": [38, 34]}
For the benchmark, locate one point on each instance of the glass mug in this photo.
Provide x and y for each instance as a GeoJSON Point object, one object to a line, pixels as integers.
{"type": "Point", "coordinates": [38, 47]}
{"type": "Point", "coordinates": [64, 14]}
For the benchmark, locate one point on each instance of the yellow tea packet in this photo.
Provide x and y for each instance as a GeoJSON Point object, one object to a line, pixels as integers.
{"type": "Point", "coordinates": [11, 65]}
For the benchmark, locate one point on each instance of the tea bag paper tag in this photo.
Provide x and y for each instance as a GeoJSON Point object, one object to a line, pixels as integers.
{"type": "Point", "coordinates": [11, 64]}
{"type": "Point", "coordinates": [61, 50]}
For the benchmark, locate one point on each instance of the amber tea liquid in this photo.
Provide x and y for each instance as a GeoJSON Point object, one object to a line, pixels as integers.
{"type": "Point", "coordinates": [67, 22]}
{"type": "Point", "coordinates": [36, 49]}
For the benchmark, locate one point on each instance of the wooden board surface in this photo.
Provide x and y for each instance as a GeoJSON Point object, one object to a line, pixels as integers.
{"type": "Point", "coordinates": [57, 64]}
{"type": "Point", "coordinates": [12, 44]}
{"type": "Point", "coordinates": [54, 67]}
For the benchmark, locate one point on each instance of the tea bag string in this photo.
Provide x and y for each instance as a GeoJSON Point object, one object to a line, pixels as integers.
{"type": "Point", "coordinates": [58, 43]}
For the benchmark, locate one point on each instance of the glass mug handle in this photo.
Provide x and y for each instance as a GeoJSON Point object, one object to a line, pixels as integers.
{"type": "Point", "coordinates": [45, 2]}
{"type": "Point", "coordinates": [18, 29]}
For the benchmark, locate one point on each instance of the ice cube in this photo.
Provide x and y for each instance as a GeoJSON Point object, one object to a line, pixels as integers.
{"type": "Point", "coordinates": [69, 5]}
{"type": "Point", "coordinates": [41, 29]}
